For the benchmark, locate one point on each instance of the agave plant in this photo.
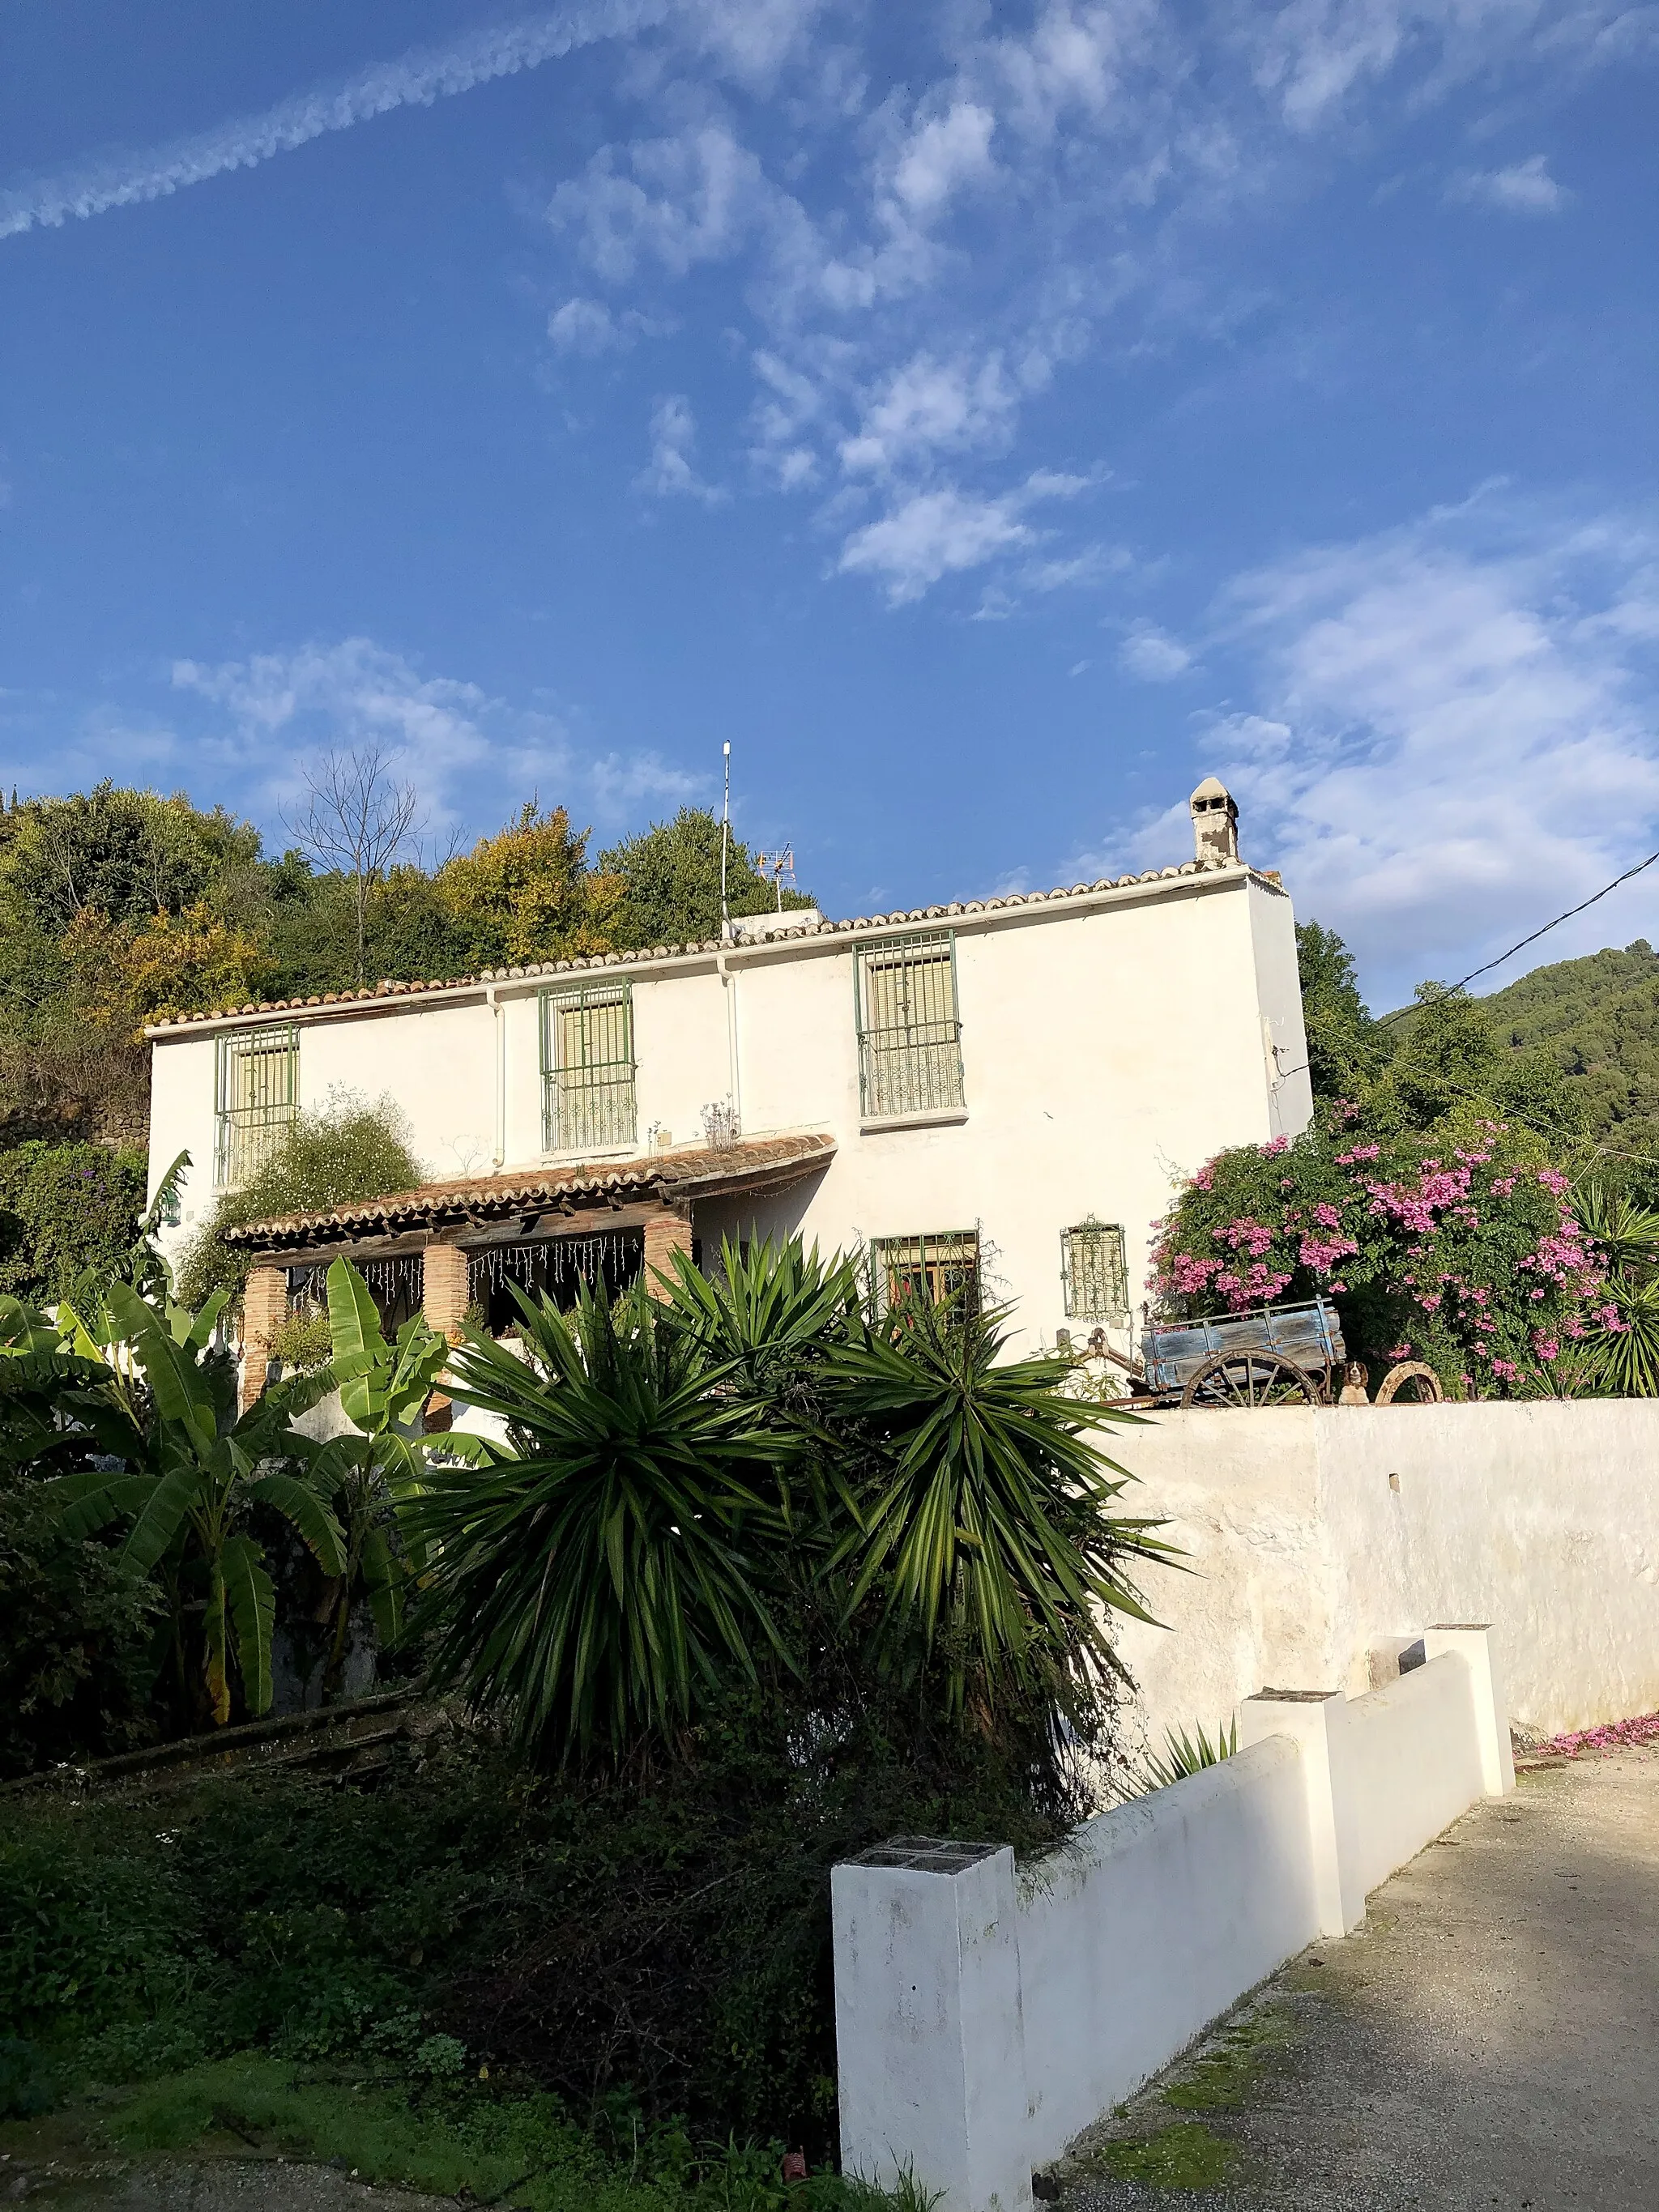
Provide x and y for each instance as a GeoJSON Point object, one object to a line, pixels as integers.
{"type": "Point", "coordinates": [984, 1504]}
{"type": "Point", "coordinates": [1186, 1752]}
{"type": "Point", "coordinates": [1624, 1362]}
{"type": "Point", "coordinates": [608, 1561]}
{"type": "Point", "coordinates": [187, 1471]}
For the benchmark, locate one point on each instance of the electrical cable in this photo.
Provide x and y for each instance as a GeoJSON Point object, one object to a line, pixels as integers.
{"type": "Point", "coordinates": [1402, 1013]}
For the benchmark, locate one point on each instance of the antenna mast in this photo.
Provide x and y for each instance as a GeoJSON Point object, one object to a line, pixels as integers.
{"type": "Point", "coordinates": [725, 840]}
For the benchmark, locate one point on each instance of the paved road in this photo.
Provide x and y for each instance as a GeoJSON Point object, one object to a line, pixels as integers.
{"type": "Point", "coordinates": [1490, 2036]}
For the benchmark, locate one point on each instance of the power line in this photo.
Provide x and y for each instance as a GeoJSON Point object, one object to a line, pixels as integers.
{"type": "Point", "coordinates": [1403, 1014]}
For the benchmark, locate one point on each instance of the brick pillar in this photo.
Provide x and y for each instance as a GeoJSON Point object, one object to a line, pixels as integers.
{"type": "Point", "coordinates": [666, 1233]}
{"type": "Point", "coordinates": [444, 1302]}
{"type": "Point", "coordinates": [443, 1289]}
{"type": "Point", "coordinates": [264, 1305]}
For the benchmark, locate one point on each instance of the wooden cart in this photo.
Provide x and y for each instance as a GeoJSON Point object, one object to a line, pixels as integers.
{"type": "Point", "coordinates": [1276, 1356]}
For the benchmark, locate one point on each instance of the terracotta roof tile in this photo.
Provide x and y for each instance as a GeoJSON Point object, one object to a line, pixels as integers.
{"type": "Point", "coordinates": [898, 920]}
{"type": "Point", "coordinates": [688, 1172]}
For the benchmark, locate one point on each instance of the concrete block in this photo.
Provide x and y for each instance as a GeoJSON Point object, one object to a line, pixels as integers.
{"type": "Point", "coordinates": [1472, 1643]}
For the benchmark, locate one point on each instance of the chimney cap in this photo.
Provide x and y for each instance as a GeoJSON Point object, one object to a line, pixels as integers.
{"type": "Point", "coordinates": [1210, 790]}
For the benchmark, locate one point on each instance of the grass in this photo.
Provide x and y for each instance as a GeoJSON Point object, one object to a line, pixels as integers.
{"type": "Point", "coordinates": [1226, 2077]}
{"type": "Point", "coordinates": [459, 2139]}
{"type": "Point", "coordinates": [1185, 2155]}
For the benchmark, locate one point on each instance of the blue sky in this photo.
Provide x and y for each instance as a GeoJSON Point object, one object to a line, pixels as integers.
{"type": "Point", "coordinates": [990, 419]}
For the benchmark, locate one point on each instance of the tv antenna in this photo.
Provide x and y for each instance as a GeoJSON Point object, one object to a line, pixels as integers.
{"type": "Point", "coordinates": [725, 842]}
{"type": "Point", "coordinates": [777, 865]}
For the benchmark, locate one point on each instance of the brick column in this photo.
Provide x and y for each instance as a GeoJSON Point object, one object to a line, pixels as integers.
{"type": "Point", "coordinates": [444, 1302]}
{"type": "Point", "coordinates": [265, 1306]}
{"type": "Point", "coordinates": [443, 1289]}
{"type": "Point", "coordinates": [666, 1233]}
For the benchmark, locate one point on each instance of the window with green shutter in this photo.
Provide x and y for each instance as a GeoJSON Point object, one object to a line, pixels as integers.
{"type": "Point", "coordinates": [587, 1068]}
{"type": "Point", "coordinates": [257, 1088]}
{"type": "Point", "coordinates": [909, 1032]}
{"type": "Point", "coordinates": [1095, 1273]}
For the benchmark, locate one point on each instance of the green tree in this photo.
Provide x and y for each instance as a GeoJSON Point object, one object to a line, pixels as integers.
{"type": "Point", "coordinates": [671, 878]}
{"type": "Point", "coordinates": [330, 1156]}
{"type": "Point", "coordinates": [527, 894]}
{"type": "Point", "coordinates": [1346, 1050]}
{"type": "Point", "coordinates": [127, 855]}
{"type": "Point", "coordinates": [66, 1211]}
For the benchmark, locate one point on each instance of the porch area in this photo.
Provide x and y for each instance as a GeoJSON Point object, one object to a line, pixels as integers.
{"type": "Point", "coordinates": [450, 1248]}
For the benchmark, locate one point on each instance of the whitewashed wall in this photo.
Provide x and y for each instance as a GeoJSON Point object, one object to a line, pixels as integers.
{"type": "Point", "coordinates": [1110, 1042]}
{"type": "Point", "coordinates": [1316, 1536]}
{"type": "Point", "coordinates": [986, 2014]}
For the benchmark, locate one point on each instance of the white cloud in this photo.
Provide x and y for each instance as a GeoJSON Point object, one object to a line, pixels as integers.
{"type": "Point", "coordinates": [585, 326]}
{"type": "Point", "coordinates": [415, 79]}
{"type": "Point", "coordinates": [927, 406]}
{"type": "Point", "coordinates": [673, 202]}
{"type": "Point", "coordinates": [1524, 188]}
{"type": "Point", "coordinates": [936, 533]}
{"type": "Point", "coordinates": [472, 757]}
{"type": "Point", "coordinates": [941, 157]}
{"type": "Point", "coordinates": [1455, 735]}
{"type": "Point", "coordinates": [670, 472]}
{"type": "Point", "coordinates": [1152, 654]}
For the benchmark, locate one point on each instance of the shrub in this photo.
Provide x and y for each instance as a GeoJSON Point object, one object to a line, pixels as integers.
{"type": "Point", "coordinates": [346, 1149]}
{"type": "Point", "coordinates": [66, 1211]}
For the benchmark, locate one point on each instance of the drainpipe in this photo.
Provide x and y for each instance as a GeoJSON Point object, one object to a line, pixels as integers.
{"type": "Point", "coordinates": [734, 1078]}
{"type": "Point", "coordinates": [501, 1078]}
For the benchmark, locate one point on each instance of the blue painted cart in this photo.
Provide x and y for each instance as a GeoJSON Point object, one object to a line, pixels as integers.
{"type": "Point", "coordinates": [1276, 1356]}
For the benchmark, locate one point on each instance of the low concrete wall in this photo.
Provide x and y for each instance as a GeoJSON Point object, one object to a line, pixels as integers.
{"type": "Point", "coordinates": [984, 2015]}
{"type": "Point", "coordinates": [1316, 1536]}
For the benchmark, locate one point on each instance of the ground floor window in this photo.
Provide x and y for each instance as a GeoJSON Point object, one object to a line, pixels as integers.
{"type": "Point", "coordinates": [608, 1262]}
{"type": "Point", "coordinates": [941, 1266]}
{"type": "Point", "coordinates": [1094, 1272]}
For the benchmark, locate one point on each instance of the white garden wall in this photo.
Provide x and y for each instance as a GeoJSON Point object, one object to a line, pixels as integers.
{"type": "Point", "coordinates": [1315, 1537]}
{"type": "Point", "coordinates": [986, 2014]}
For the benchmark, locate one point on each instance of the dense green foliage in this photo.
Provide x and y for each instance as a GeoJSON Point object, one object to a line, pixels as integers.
{"type": "Point", "coordinates": [326, 1158]}
{"type": "Point", "coordinates": [118, 905]}
{"type": "Point", "coordinates": [66, 1212]}
{"type": "Point", "coordinates": [670, 880]}
{"type": "Point", "coordinates": [751, 1483]}
{"type": "Point", "coordinates": [658, 1948]}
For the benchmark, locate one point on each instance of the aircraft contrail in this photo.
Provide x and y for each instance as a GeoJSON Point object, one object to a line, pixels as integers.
{"type": "Point", "coordinates": [415, 79]}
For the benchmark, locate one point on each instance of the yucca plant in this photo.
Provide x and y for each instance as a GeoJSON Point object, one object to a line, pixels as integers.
{"type": "Point", "coordinates": [609, 1561]}
{"type": "Point", "coordinates": [1623, 1361]}
{"type": "Point", "coordinates": [980, 1504]}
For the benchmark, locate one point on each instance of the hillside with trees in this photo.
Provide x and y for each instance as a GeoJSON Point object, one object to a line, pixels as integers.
{"type": "Point", "coordinates": [118, 905]}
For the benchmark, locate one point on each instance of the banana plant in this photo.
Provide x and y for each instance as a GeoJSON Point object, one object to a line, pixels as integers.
{"type": "Point", "coordinates": [367, 1473]}
{"type": "Point", "coordinates": [190, 1472]}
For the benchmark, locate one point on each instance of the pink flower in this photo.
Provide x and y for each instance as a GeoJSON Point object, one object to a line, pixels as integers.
{"type": "Point", "coordinates": [1359, 1152]}
{"type": "Point", "coordinates": [1274, 1145]}
{"type": "Point", "coordinates": [1547, 1348]}
{"type": "Point", "coordinates": [1506, 1368]}
{"type": "Point", "coordinates": [1326, 1216]}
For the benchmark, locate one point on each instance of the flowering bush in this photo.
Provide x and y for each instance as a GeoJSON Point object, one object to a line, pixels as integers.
{"type": "Point", "coordinates": [1460, 1248]}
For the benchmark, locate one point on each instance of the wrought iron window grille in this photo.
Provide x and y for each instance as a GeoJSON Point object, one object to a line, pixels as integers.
{"type": "Point", "coordinates": [1095, 1273]}
{"type": "Point", "coordinates": [909, 1030]}
{"type": "Point", "coordinates": [943, 1269]}
{"type": "Point", "coordinates": [256, 1099]}
{"type": "Point", "coordinates": [587, 1068]}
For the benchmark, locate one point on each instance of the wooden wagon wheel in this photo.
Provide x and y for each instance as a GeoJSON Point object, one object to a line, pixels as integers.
{"type": "Point", "coordinates": [1414, 1382]}
{"type": "Point", "coordinates": [1251, 1379]}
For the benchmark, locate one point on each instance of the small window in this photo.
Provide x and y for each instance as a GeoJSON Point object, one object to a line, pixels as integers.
{"type": "Point", "coordinates": [258, 1088]}
{"type": "Point", "coordinates": [1094, 1272]}
{"type": "Point", "coordinates": [909, 1035]}
{"type": "Point", "coordinates": [587, 1069]}
{"type": "Point", "coordinates": [943, 1269]}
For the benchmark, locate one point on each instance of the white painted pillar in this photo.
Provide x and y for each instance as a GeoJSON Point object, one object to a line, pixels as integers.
{"type": "Point", "coordinates": [1316, 1721]}
{"type": "Point", "coordinates": [1471, 1642]}
{"type": "Point", "coordinates": [930, 2036]}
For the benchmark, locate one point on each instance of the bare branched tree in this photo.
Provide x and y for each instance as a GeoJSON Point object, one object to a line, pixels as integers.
{"type": "Point", "coordinates": [357, 819]}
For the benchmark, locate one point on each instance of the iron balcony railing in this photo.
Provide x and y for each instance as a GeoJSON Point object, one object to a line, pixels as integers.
{"type": "Point", "coordinates": [587, 1069]}
{"type": "Point", "coordinates": [908, 1028]}
{"type": "Point", "coordinates": [258, 1087]}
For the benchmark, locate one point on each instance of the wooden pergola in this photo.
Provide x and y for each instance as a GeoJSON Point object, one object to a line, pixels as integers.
{"type": "Point", "coordinates": [452, 1229]}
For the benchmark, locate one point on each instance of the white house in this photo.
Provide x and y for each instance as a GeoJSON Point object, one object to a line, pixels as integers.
{"type": "Point", "coordinates": [1000, 1093]}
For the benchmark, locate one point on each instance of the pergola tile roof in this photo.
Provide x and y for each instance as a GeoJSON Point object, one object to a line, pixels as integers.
{"type": "Point", "coordinates": [381, 992]}
{"type": "Point", "coordinates": [680, 1177]}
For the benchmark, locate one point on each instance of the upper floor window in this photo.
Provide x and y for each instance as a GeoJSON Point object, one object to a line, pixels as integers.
{"type": "Point", "coordinates": [1095, 1273]}
{"type": "Point", "coordinates": [941, 1269]}
{"type": "Point", "coordinates": [257, 1097]}
{"type": "Point", "coordinates": [909, 1033]}
{"type": "Point", "coordinates": [587, 1068]}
